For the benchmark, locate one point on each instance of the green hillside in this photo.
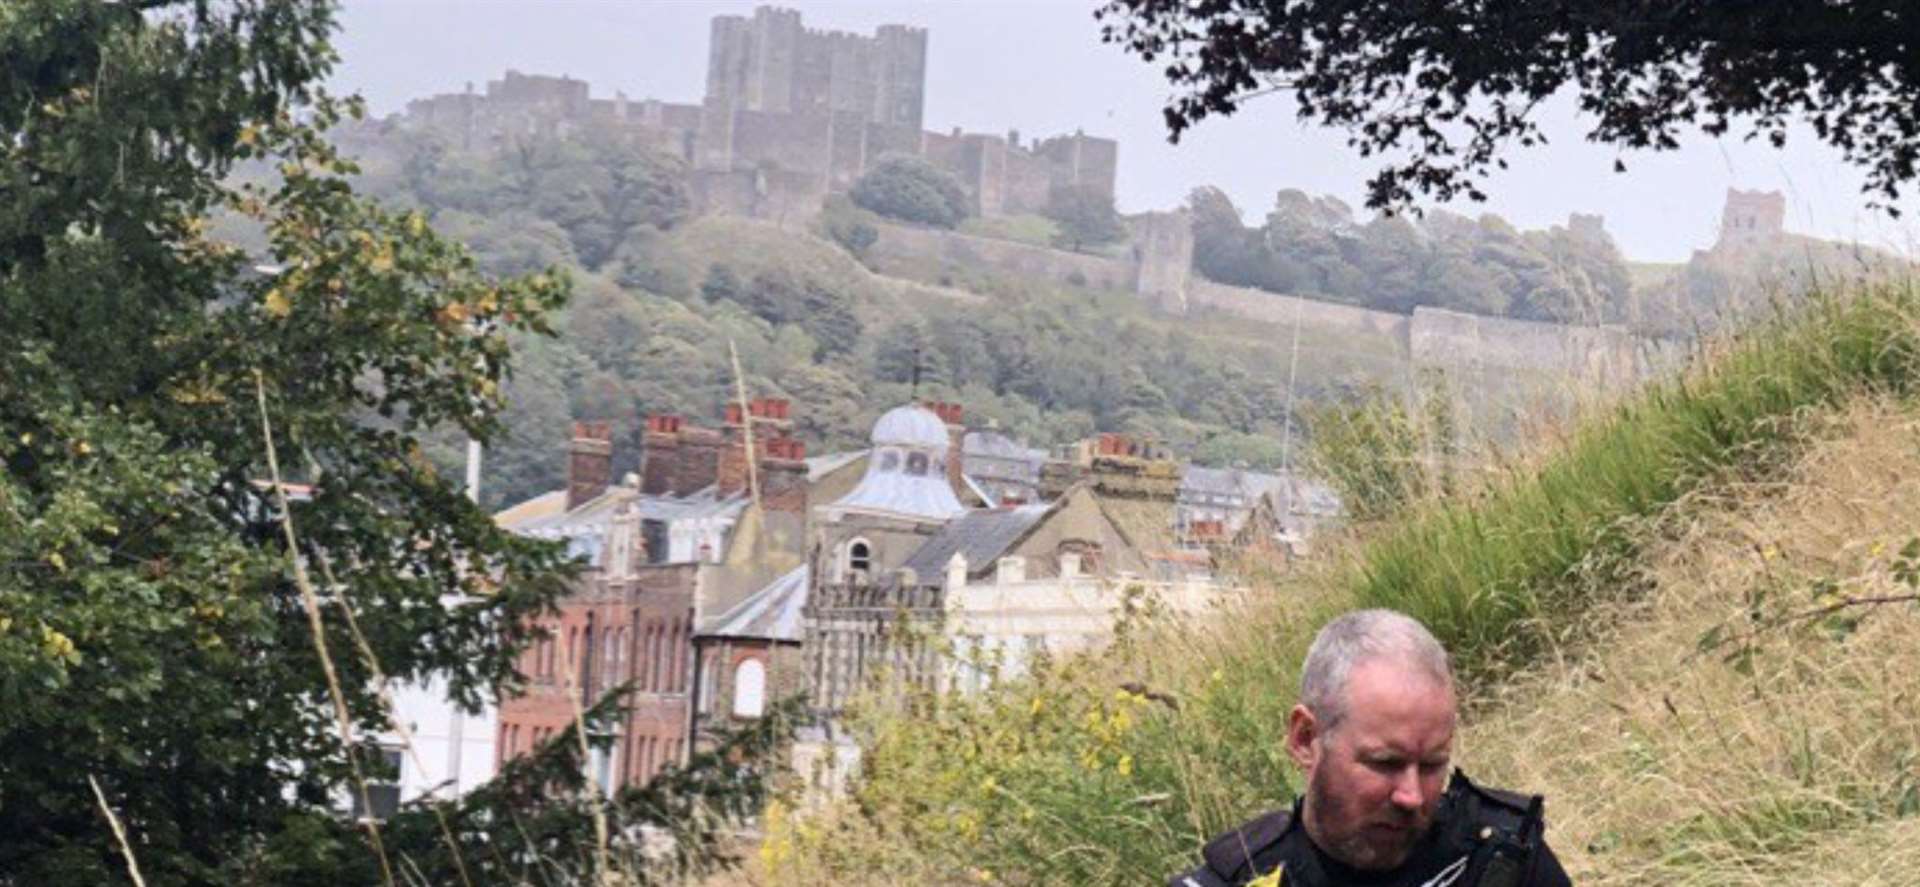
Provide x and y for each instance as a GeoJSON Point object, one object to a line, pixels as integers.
{"type": "Point", "coordinates": [659, 294]}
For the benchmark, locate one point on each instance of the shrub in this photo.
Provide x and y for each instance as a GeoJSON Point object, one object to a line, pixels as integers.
{"type": "Point", "coordinates": [911, 189]}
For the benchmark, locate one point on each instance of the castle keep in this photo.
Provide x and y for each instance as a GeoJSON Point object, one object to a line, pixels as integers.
{"type": "Point", "coordinates": [790, 115]}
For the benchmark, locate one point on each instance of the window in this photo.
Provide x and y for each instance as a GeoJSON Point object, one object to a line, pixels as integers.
{"type": "Point", "coordinates": [889, 461]}
{"type": "Point", "coordinates": [658, 682]}
{"type": "Point", "coordinates": [749, 689]}
{"type": "Point", "coordinates": [654, 535]}
{"type": "Point", "coordinates": [709, 685]}
{"type": "Point", "coordinates": [609, 675]}
{"type": "Point", "coordinates": [683, 638]}
{"type": "Point", "coordinates": [382, 798]}
{"type": "Point", "coordinates": [600, 768]}
{"type": "Point", "coordinates": [859, 558]}
{"type": "Point", "coordinates": [917, 464]}
{"type": "Point", "coordinates": [585, 676]}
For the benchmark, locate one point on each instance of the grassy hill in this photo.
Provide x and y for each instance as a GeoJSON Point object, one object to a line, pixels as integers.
{"type": "Point", "coordinates": [1579, 590]}
{"type": "Point", "coordinates": [1794, 756]}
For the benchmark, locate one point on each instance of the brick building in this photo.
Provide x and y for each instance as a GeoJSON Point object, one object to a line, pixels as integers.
{"type": "Point", "coordinates": [666, 547]}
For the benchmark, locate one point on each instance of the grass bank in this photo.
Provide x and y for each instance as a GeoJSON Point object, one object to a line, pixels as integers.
{"type": "Point", "coordinates": [1739, 723]}
{"type": "Point", "coordinates": [1111, 769]}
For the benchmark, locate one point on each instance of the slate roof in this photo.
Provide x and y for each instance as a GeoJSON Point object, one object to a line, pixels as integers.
{"type": "Point", "coordinates": [1308, 498]}
{"type": "Point", "coordinates": [584, 528]}
{"type": "Point", "coordinates": [595, 513]}
{"type": "Point", "coordinates": [773, 613]}
{"type": "Point", "coordinates": [1197, 480]}
{"type": "Point", "coordinates": [981, 536]}
{"type": "Point", "coordinates": [996, 445]}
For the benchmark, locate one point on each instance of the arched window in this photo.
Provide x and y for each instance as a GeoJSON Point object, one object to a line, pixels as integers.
{"type": "Point", "coordinates": [659, 680]}
{"type": "Point", "coordinates": [569, 658]}
{"type": "Point", "coordinates": [749, 689]}
{"type": "Point", "coordinates": [583, 673]}
{"type": "Point", "coordinates": [680, 639]}
{"type": "Point", "coordinates": [859, 558]}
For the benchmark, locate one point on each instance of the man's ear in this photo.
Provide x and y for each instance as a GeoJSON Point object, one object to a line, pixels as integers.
{"type": "Point", "coordinates": [1303, 737]}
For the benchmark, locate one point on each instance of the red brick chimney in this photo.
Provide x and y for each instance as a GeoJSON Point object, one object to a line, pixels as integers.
{"type": "Point", "coordinates": [699, 463]}
{"type": "Point", "coordinates": [770, 416]}
{"type": "Point", "coordinates": [783, 476]}
{"type": "Point", "coordinates": [660, 454]}
{"type": "Point", "coordinates": [589, 462]}
{"type": "Point", "coordinates": [955, 418]}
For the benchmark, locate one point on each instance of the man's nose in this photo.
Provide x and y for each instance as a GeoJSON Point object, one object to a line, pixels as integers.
{"type": "Point", "coordinates": [1407, 792]}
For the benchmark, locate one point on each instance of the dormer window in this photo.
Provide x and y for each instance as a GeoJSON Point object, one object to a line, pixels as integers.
{"type": "Point", "coordinates": [859, 559]}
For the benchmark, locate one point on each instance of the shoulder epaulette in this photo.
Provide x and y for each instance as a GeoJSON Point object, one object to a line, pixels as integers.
{"type": "Point", "coordinates": [1503, 829]}
{"type": "Point", "coordinates": [1519, 815]}
{"type": "Point", "coordinates": [1245, 849]}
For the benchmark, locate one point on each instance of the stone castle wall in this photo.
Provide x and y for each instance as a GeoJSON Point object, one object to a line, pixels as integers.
{"type": "Point", "coordinates": [1429, 338]}
{"type": "Point", "coordinates": [1451, 339]}
{"type": "Point", "coordinates": [1266, 307]}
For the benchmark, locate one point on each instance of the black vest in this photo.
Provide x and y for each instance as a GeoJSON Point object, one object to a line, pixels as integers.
{"type": "Point", "coordinates": [1481, 837]}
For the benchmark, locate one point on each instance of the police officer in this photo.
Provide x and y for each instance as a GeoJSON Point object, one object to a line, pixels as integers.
{"type": "Point", "coordinates": [1374, 734]}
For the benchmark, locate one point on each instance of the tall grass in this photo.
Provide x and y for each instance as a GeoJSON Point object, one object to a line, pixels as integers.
{"type": "Point", "coordinates": [1071, 777]}
{"type": "Point", "coordinates": [1790, 755]}
{"type": "Point", "coordinates": [1492, 577]}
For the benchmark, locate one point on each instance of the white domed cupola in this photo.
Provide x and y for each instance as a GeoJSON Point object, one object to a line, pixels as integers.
{"type": "Point", "coordinates": [907, 470]}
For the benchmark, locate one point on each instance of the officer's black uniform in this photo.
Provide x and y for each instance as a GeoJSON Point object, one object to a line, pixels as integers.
{"type": "Point", "coordinates": [1480, 837]}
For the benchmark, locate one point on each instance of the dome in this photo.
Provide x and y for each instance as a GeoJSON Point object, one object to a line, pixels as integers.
{"type": "Point", "coordinates": [911, 426]}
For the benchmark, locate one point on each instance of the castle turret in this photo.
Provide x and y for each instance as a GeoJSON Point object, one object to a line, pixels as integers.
{"type": "Point", "coordinates": [1752, 215]}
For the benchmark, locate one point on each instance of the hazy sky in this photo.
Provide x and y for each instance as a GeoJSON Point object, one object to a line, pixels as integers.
{"type": "Point", "coordinates": [1040, 68]}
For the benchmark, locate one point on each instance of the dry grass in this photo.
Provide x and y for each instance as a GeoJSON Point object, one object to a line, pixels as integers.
{"type": "Point", "coordinates": [1664, 765]}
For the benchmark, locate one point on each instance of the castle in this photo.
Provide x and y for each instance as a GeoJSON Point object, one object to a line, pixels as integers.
{"type": "Point", "coordinates": [791, 114]}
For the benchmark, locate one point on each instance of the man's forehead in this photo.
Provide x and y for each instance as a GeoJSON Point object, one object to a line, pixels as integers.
{"type": "Point", "coordinates": [1390, 702]}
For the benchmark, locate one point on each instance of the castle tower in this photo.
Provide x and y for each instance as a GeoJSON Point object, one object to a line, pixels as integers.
{"type": "Point", "coordinates": [770, 63]}
{"type": "Point", "coordinates": [900, 75]}
{"type": "Point", "coordinates": [1163, 258]}
{"type": "Point", "coordinates": [1752, 215]}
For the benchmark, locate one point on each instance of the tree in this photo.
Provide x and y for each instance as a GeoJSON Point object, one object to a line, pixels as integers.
{"type": "Point", "coordinates": [908, 188]}
{"type": "Point", "coordinates": [1458, 84]}
{"type": "Point", "coordinates": [156, 613]}
{"type": "Point", "coordinates": [1224, 249]}
{"type": "Point", "coordinates": [906, 353]}
{"type": "Point", "coordinates": [1085, 214]}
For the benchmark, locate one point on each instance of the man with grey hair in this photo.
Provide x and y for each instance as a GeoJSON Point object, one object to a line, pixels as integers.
{"type": "Point", "coordinates": [1373, 732]}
